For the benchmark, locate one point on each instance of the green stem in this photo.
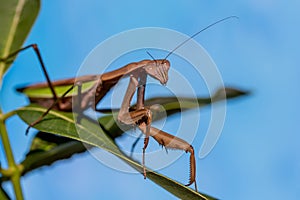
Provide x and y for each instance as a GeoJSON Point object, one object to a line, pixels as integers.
{"type": "Point", "coordinates": [17, 186]}
{"type": "Point", "coordinates": [8, 115]}
{"type": "Point", "coordinates": [12, 166]}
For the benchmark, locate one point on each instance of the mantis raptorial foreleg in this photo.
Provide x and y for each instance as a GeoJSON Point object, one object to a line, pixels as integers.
{"type": "Point", "coordinates": [136, 117]}
{"type": "Point", "coordinates": [172, 142]}
{"type": "Point", "coordinates": [142, 117]}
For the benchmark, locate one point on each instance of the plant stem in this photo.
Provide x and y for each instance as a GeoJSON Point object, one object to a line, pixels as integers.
{"type": "Point", "coordinates": [15, 178]}
{"type": "Point", "coordinates": [8, 115]}
{"type": "Point", "coordinates": [17, 186]}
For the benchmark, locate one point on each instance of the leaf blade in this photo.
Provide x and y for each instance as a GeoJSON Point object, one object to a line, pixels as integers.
{"type": "Point", "coordinates": [66, 149]}
{"type": "Point", "coordinates": [17, 18]}
{"type": "Point", "coordinates": [170, 104]}
{"type": "Point", "coordinates": [89, 134]}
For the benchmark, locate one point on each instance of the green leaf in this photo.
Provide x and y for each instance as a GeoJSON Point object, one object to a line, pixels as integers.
{"type": "Point", "coordinates": [89, 132]}
{"type": "Point", "coordinates": [45, 92]}
{"type": "Point", "coordinates": [17, 18]}
{"type": "Point", "coordinates": [170, 105]}
{"type": "Point", "coordinates": [48, 148]}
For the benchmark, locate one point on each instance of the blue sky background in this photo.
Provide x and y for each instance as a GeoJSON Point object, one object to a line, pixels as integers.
{"type": "Point", "coordinates": [257, 156]}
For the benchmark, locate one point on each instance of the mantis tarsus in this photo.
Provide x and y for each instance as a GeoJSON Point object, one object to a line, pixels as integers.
{"type": "Point", "coordinates": [99, 85]}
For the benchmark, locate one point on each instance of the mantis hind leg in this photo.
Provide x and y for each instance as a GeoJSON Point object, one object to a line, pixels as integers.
{"type": "Point", "coordinates": [134, 144]}
{"type": "Point", "coordinates": [57, 102]}
{"type": "Point", "coordinates": [10, 57]}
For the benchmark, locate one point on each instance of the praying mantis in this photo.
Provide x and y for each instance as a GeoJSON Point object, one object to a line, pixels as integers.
{"type": "Point", "coordinates": [100, 85]}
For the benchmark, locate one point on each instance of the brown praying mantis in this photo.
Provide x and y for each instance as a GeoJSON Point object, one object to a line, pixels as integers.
{"type": "Point", "coordinates": [99, 85]}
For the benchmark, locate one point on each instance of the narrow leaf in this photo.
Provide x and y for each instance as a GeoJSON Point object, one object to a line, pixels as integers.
{"type": "Point", "coordinates": [60, 87]}
{"type": "Point", "coordinates": [48, 148]}
{"type": "Point", "coordinates": [90, 133]}
{"type": "Point", "coordinates": [17, 18]}
{"type": "Point", "coordinates": [170, 105]}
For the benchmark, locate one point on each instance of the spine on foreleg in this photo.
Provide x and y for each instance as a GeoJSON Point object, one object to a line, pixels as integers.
{"type": "Point", "coordinates": [192, 166]}
{"type": "Point", "coordinates": [172, 142]}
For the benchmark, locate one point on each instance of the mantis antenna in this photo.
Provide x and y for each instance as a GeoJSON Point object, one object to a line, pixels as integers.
{"type": "Point", "coordinates": [150, 55]}
{"type": "Point", "coordinates": [207, 27]}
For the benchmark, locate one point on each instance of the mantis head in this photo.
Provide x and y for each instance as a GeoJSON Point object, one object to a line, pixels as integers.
{"type": "Point", "coordinates": [158, 69]}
